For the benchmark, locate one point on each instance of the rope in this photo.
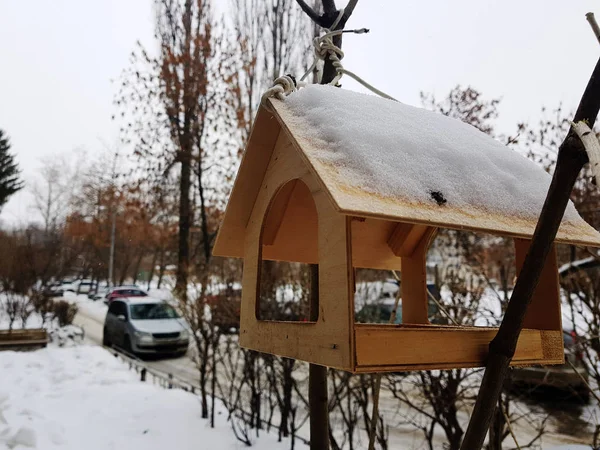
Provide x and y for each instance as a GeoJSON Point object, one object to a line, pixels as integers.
{"type": "Point", "coordinates": [324, 48]}
{"type": "Point", "coordinates": [282, 86]}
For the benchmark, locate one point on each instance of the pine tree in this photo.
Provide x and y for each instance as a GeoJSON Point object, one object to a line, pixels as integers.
{"type": "Point", "coordinates": [9, 171]}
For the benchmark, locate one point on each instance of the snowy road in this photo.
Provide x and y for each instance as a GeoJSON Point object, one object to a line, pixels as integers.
{"type": "Point", "coordinates": [91, 318]}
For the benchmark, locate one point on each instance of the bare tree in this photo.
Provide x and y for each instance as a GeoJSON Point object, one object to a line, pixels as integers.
{"type": "Point", "coordinates": [52, 193]}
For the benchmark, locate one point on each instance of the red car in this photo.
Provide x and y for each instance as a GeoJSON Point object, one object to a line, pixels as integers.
{"type": "Point", "coordinates": [120, 292]}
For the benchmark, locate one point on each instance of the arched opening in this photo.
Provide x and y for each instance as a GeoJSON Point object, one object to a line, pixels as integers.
{"type": "Point", "coordinates": [288, 248]}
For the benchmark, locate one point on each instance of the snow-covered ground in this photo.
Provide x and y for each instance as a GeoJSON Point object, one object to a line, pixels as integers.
{"type": "Point", "coordinates": [83, 398]}
{"type": "Point", "coordinates": [91, 317]}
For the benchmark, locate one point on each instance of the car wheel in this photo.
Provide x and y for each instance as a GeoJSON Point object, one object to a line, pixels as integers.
{"type": "Point", "coordinates": [105, 340]}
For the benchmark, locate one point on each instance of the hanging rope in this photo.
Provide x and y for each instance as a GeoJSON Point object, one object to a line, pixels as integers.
{"type": "Point", "coordinates": [324, 48]}
{"type": "Point", "coordinates": [282, 87]}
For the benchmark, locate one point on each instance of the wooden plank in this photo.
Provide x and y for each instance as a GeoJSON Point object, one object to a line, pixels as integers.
{"type": "Point", "coordinates": [23, 339]}
{"type": "Point", "coordinates": [414, 282]}
{"type": "Point", "coordinates": [544, 311]}
{"type": "Point", "coordinates": [355, 201]}
{"type": "Point", "coordinates": [329, 341]}
{"type": "Point", "coordinates": [432, 347]}
{"type": "Point", "coordinates": [369, 244]}
{"type": "Point", "coordinates": [23, 334]}
{"type": "Point", "coordinates": [405, 238]}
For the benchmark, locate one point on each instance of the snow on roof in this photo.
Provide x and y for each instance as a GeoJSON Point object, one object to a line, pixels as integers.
{"type": "Point", "coordinates": [396, 150]}
{"type": "Point", "coordinates": [389, 159]}
{"type": "Point", "coordinates": [380, 159]}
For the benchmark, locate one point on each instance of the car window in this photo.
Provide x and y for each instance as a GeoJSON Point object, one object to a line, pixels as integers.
{"type": "Point", "coordinates": [118, 308]}
{"type": "Point", "coordinates": [113, 308]}
{"type": "Point", "coordinates": [134, 292]}
{"type": "Point", "coordinates": [150, 311]}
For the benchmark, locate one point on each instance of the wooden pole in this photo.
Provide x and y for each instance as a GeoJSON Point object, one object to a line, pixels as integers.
{"type": "Point", "coordinates": [317, 375]}
{"type": "Point", "coordinates": [317, 380]}
{"type": "Point", "coordinates": [571, 158]}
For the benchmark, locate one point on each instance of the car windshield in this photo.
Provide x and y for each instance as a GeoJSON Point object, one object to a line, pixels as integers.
{"type": "Point", "coordinates": [150, 311]}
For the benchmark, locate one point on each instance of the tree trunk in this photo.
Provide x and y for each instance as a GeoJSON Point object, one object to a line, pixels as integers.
{"type": "Point", "coordinates": [203, 379]}
{"type": "Point", "coordinates": [497, 429]}
{"type": "Point", "coordinates": [151, 274]}
{"type": "Point", "coordinates": [183, 255]}
{"type": "Point", "coordinates": [317, 380]}
{"type": "Point", "coordinates": [136, 268]}
{"type": "Point", "coordinates": [161, 270]}
{"type": "Point", "coordinates": [213, 378]}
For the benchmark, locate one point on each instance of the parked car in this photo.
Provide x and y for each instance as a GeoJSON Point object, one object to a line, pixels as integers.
{"type": "Point", "coordinates": [380, 311]}
{"type": "Point", "coordinates": [123, 291]}
{"type": "Point", "coordinates": [98, 294]}
{"type": "Point", "coordinates": [52, 290]}
{"type": "Point", "coordinates": [560, 377]}
{"type": "Point", "coordinates": [145, 326]}
{"type": "Point", "coordinates": [83, 286]}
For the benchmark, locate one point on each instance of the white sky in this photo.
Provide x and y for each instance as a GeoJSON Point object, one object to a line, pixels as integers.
{"type": "Point", "coordinates": [57, 59]}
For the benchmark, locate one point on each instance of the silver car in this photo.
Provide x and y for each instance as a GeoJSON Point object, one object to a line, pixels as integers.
{"type": "Point", "coordinates": [144, 325]}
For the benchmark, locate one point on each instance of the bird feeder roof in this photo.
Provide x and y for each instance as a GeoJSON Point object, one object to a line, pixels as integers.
{"type": "Point", "coordinates": [384, 159]}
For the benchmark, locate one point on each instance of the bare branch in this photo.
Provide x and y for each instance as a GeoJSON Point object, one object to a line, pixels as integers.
{"type": "Point", "coordinates": [316, 18]}
{"type": "Point", "coordinates": [329, 6]}
{"type": "Point", "coordinates": [348, 10]}
{"type": "Point", "coordinates": [595, 28]}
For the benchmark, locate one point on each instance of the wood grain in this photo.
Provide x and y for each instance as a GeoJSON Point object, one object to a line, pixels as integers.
{"type": "Point", "coordinates": [381, 348]}
{"type": "Point", "coordinates": [329, 341]}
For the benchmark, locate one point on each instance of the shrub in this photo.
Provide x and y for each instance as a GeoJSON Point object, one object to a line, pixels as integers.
{"type": "Point", "coordinates": [64, 312]}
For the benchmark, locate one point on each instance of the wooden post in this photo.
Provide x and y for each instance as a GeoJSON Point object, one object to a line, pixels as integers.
{"type": "Point", "coordinates": [317, 379]}
{"type": "Point", "coordinates": [143, 374]}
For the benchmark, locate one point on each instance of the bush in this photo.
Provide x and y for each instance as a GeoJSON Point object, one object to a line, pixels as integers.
{"type": "Point", "coordinates": [64, 312]}
{"type": "Point", "coordinates": [43, 305]}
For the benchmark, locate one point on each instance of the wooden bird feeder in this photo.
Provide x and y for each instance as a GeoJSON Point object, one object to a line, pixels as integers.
{"type": "Point", "coordinates": [295, 200]}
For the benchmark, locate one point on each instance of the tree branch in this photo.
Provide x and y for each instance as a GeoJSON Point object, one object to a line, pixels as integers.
{"type": "Point", "coordinates": [329, 6]}
{"type": "Point", "coordinates": [348, 10]}
{"type": "Point", "coordinates": [316, 18]}
{"type": "Point", "coordinates": [571, 158]}
{"type": "Point", "coordinates": [595, 28]}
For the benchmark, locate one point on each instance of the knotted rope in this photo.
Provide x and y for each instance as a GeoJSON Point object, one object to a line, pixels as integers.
{"type": "Point", "coordinates": [324, 48]}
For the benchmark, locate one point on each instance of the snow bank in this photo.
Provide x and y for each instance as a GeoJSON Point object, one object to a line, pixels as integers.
{"type": "Point", "coordinates": [84, 398]}
{"type": "Point", "coordinates": [402, 152]}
